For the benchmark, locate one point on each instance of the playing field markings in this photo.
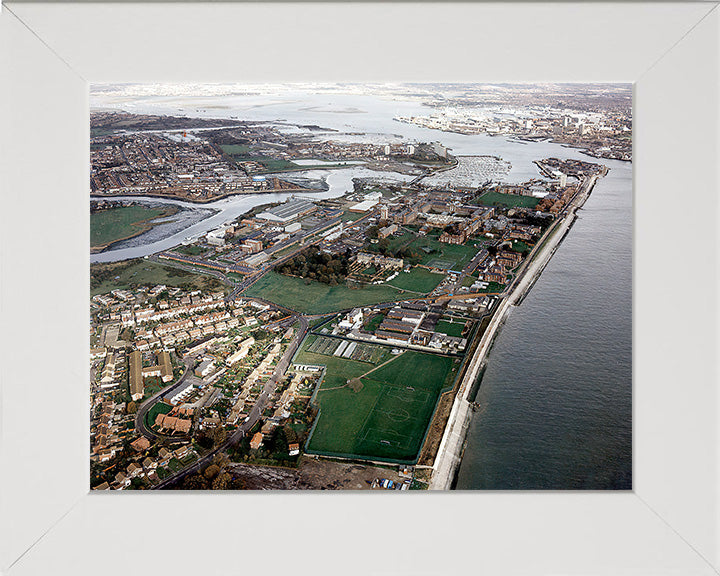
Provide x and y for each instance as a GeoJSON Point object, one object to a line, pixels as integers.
{"type": "Point", "coordinates": [397, 415]}
{"type": "Point", "coordinates": [386, 431]}
{"type": "Point", "coordinates": [386, 437]}
{"type": "Point", "coordinates": [437, 263]}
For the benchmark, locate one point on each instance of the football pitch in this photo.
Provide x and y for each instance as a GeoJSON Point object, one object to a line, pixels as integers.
{"type": "Point", "coordinates": [387, 418]}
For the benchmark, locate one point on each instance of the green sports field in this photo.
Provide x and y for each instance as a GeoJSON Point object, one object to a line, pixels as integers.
{"type": "Point", "coordinates": [318, 298]}
{"type": "Point", "coordinates": [388, 417]}
{"type": "Point", "coordinates": [497, 198]}
{"type": "Point", "coordinates": [450, 328]}
{"type": "Point", "coordinates": [417, 280]}
{"type": "Point", "coordinates": [445, 256]}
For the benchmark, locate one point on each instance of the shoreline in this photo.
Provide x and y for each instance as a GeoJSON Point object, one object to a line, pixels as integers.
{"type": "Point", "coordinates": [145, 224]}
{"type": "Point", "coordinates": [450, 452]}
{"type": "Point", "coordinates": [202, 202]}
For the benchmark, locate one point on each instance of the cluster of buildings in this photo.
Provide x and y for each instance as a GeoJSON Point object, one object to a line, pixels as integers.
{"type": "Point", "coordinates": [145, 467]}
{"type": "Point", "coordinates": [188, 167]}
{"type": "Point", "coordinates": [437, 209]}
{"type": "Point", "coordinates": [495, 269]}
{"type": "Point", "coordinates": [606, 134]}
{"type": "Point", "coordinates": [169, 423]}
{"type": "Point", "coordinates": [248, 245]}
{"type": "Point", "coordinates": [230, 365]}
{"type": "Point", "coordinates": [407, 324]}
{"type": "Point", "coordinates": [109, 429]}
{"type": "Point", "coordinates": [137, 374]}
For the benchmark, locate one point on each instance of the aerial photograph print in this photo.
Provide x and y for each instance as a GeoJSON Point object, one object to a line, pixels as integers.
{"type": "Point", "coordinates": [338, 286]}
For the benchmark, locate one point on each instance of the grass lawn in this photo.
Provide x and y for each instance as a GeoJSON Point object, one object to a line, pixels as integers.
{"type": "Point", "coordinates": [339, 370]}
{"type": "Point", "coordinates": [417, 280]}
{"type": "Point", "coordinates": [394, 242]}
{"type": "Point", "coordinates": [373, 323]}
{"type": "Point", "coordinates": [450, 328]}
{"type": "Point", "coordinates": [495, 198]}
{"type": "Point", "coordinates": [520, 246]}
{"type": "Point", "coordinates": [127, 274]}
{"type": "Point", "coordinates": [190, 249]}
{"type": "Point", "coordinates": [155, 409]}
{"type": "Point", "coordinates": [108, 226]}
{"type": "Point", "coordinates": [348, 216]}
{"type": "Point", "coordinates": [448, 256]}
{"type": "Point", "coordinates": [388, 417]}
{"type": "Point", "coordinates": [235, 149]}
{"type": "Point", "coordinates": [152, 386]}
{"type": "Point", "coordinates": [469, 280]}
{"type": "Point", "coordinates": [493, 287]}
{"type": "Point", "coordinates": [318, 298]}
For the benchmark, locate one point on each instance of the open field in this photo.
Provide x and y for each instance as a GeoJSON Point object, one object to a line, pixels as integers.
{"type": "Point", "coordinates": [392, 243]}
{"type": "Point", "coordinates": [520, 246]}
{"type": "Point", "coordinates": [450, 328]}
{"type": "Point", "coordinates": [139, 272]}
{"type": "Point", "coordinates": [339, 370]}
{"type": "Point", "coordinates": [348, 216]}
{"type": "Point", "coordinates": [318, 298]}
{"type": "Point", "coordinates": [387, 418]}
{"type": "Point", "coordinates": [417, 280]}
{"type": "Point", "coordinates": [243, 153]}
{"type": "Point", "coordinates": [235, 149]}
{"type": "Point", "coordinates": [374, 323]}
{"type": "Point", "coordinates": [446, 256]}
{"type": "Point", "coordinates": [190, 250]}
{"type": "Point", "coordinates": [494, 198]}
{"type": "Point", "coordinates": [108, 226]}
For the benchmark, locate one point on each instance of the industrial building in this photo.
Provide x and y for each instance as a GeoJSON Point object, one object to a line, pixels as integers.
{"type": "Point", "coordinates": [288, 211]}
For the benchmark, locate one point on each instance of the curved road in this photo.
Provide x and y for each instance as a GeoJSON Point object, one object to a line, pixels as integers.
{"type": "Point", "coordinates": [255, 412]}
{"type": "Point", "coordinates": [145, 407]}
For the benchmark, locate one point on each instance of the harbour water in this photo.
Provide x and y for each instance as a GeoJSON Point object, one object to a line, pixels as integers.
{"type": "Point", "coordinates": [556, 398]}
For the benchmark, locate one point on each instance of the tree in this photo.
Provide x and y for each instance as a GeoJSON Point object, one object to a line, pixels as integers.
{"type": "Point", "coordinates": [222, 482]}
{"type": "Point", "coordinates": [219, 435]}
{"type": "Point", "coordinates": [131, 407]}
{"type": "Point", "coordinates": [221, 459]}
{"type": "Point", "coordinates": [211, 471]}
{"type": "Point", "coordinates": [194, 482]}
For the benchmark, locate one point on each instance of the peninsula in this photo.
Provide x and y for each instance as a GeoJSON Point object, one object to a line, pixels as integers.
{"type": "Point", "coordinates": [309, 343]}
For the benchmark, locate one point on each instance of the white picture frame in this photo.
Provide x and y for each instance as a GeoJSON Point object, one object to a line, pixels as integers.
{"type": "Point", "coordinates": [51, 524]}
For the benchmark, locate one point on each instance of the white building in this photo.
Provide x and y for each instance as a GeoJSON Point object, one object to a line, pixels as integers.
{"type": "Point", "coordinates": [180, 393]}
{"type": "Point", "coordinates": [216, 237]}
{"type": "Point", "coordinates": [241, 352]}
{"type": "Point", "coordinates": [206, 367]}
{"type": "Point", "coordinates": [352, 319]}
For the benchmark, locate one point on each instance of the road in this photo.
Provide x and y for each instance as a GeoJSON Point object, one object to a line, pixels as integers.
{"type": "Point", "coordinates": [145, 406]}
{"type": "Point", "coordinates": [255, 412]}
